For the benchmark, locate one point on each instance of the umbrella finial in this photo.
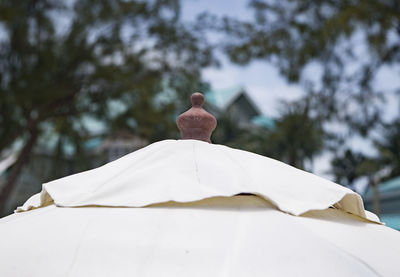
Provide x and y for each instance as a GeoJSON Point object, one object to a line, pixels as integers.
{"type": "Point", "coordinates": [196, 123]}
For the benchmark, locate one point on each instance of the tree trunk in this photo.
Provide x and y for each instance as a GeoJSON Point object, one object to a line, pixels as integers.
{"type": "Point", "coordinates": [375, 198]}
{"type": "Point", "coordinates": [16, 169]}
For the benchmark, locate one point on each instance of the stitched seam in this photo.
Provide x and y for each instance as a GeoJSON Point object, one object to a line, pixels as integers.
{"type": "Point", "coordinates": [78, 247]}
{"type": "Point", "coordinates": [196, 166]}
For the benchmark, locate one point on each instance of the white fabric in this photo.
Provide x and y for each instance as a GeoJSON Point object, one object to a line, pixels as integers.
{"type": "Point", "coordinates": [237, 236]}
{"type": "Point", "coordinates": [190, 170]}
{"type": "Point", "coordinates": [190, 224]}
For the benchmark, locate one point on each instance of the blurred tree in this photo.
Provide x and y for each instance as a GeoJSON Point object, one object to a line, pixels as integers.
{"type": "Point", "coordinates": [228, 130]}
{"type": "Point", "coordinates": [351, 166]}
{"type": "Point", "coordinates": [342, 44]}
{"type": "Point", "coordinates": [346, 167]}
{"type": "Point", "coordinates": [389, 148]}
{"type": "Point", "coordinates": [64, 63]}
{"type": "Point", "coordinates": [298, 136]}
{"type": "Point", "coordinates": [250, 139]}
{"type": "Point", "coordinates": [335, 49]}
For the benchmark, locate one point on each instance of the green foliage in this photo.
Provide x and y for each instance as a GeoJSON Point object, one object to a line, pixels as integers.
{"type": "Point", "coordinates": [61, 62]}
{"type": "Point", "coordinates": [251, 139]}
{"type": "Point", "coordinates": [335, 49]}
{"type": "Point", "coordinates": [298, 136]}
{"type": "Point", "coordinates": [348, 42]}
{"type": "Point", "coordinates": [347, 168]}
{"type": "Point", "coordinates": [384, 165]}
{"type": "Point", "coordinates": [66, 63]}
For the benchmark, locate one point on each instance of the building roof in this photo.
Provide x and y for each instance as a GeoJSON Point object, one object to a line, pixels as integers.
{"type": "Point", "coordinates": [389, 194]}
{"type": "Point", "coordinates": [123, 139]}
{"type": "Point", "coordinates": [385, 187]}
{"type": "Point", "coordinates": [93, 143]}
{"type": "Point", "coordinates": [223, 97]}
{"type": "Point", "coordinates": [264, 121]}
{"type": "Point", "coordinates": [391, 220]}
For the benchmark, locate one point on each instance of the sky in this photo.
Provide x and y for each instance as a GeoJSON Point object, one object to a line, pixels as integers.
{"type": "Point", "coordinates": [263, 82]}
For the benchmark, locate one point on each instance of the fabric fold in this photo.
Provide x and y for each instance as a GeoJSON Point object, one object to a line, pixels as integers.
{"type": "Point", "coordinates": [189, 170]}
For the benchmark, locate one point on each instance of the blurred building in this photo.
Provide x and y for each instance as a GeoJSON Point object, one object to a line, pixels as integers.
{"type": "Point", "coordinates": [236, 104]}
{"type": "Point", "coordinates": [389, 202]}
{"type": "Point", "coordinates": [119, 144]}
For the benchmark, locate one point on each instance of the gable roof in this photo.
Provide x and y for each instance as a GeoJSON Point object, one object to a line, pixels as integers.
{"type": "Point", "coordinates": [264, 121]}
{"type": "Point", "coordinates": [222, 98]}
{"type": "Point", "coordinates": [391, 220]}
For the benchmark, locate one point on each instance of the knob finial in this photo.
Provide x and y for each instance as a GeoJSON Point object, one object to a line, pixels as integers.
{"type": "Point", "coordinates": [196, 123]}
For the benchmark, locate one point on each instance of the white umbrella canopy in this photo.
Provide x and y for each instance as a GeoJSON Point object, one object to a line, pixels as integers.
{"type": "Point", "coordinates": [191, 208]}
